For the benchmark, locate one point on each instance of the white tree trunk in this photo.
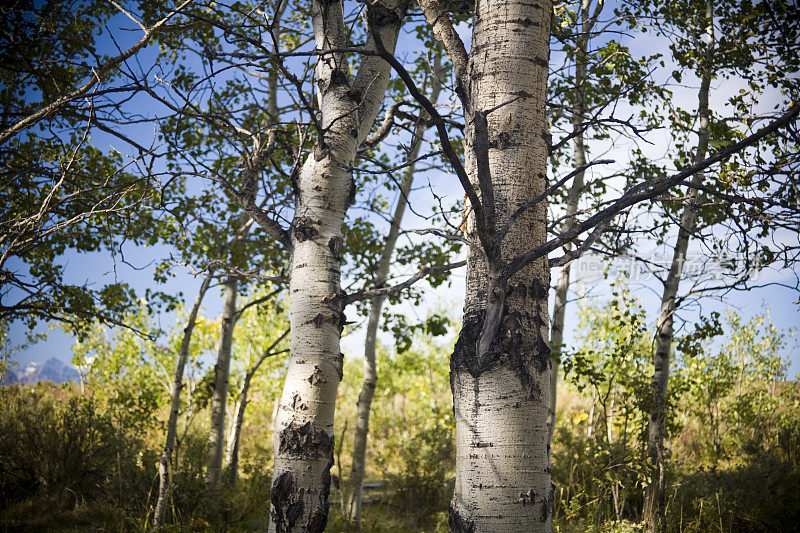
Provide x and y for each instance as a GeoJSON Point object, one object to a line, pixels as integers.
{"type": "Point", "coordinates": [358, 467]}
{"type": "Point", "coordinates": [164, 474]}
{"type": "Point", "coordinates": [303, 436]}
{"type": "Point", "coordinates": [501, 395]}
{"type": "Point", "coordinates": [221, 379]}
{"type": "Point", "coordinates": [232, 436]}
{"type": "Point", "coordinates": [655, 494]}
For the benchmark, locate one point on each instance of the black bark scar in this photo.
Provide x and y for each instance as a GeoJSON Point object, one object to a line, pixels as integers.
{"type": "Point", "coordinates": [458, 523]}
{"type": "Point", "coordinates": [305, 228]}
{"type": "Point", "coordinates": [510, 346]}
{"type": "Point", "coordinates": [305, 441]}
{"type": "Point", "coordinates": [287, 502]}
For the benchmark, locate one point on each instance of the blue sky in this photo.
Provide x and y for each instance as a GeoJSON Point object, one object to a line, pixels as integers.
{"type": "Point", "coordinates": [783, 303]}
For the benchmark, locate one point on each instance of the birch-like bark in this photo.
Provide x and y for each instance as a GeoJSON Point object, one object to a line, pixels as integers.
{"type": "Point", "coordinates": [500, 382]}
{"type": "Point", "coordinates": [221, 378]}
{"type": "Point", "coordinates": [575, 191]}
{"type": "Point", "coordinates": [358, 467]}
{"type": "Point", "coordinates": [164, 474]}
{"type": "Point", "coordinates": [232, 436]}
{"type": "Point", "coordinates": [303, 436]}
{"type": "Point", "coordinates": [655, 494]}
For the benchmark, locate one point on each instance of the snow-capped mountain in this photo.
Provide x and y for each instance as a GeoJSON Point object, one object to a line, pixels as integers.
{"type": "Point", "coordinates": [51, 370]}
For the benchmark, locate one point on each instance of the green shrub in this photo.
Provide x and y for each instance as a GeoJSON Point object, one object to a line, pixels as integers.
{"type": "Point", "coordinates": [760, 496]}
{"type": "Point", "coordinates": [57, 447]}
{"type": "Point", "coordinates": [424, 484]}
{"type": "Point", "coordinates": [62, 457]}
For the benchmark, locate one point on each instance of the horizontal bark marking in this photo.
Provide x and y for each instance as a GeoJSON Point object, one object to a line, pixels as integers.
{"type": "Point", "coordinates": [503, 141]}
{"type": "Point", "coordinates": [287, 502]}
{"type": "Point", "coordinates": [305, 441]}
{"type": "Point", "coordinates": [527, 21]}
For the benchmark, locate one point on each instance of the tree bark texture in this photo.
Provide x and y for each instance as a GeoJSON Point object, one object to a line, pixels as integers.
{"type": "Point", "coordinates": [500, 382]}
{"type": "Point", "coordinates": [303, 436]}
{"type": "Point", "coordinates": [221, 378]}
{"type": "Point", "coordinates": [655, 493]}
{"type": "Point", "coordinates": [164, 475]}
{"type": "Point", "coordinates": [358, 466]}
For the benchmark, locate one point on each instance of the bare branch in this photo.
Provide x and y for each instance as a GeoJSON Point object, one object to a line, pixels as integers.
{"type": "Point", "coordinates": [447, 147]}
{"type": "Point", "coordinates": [647, 190]}
{"type": "Point", "coordinates": [386, 291]}
{"type": "Point", "coordinates": [445, 33]}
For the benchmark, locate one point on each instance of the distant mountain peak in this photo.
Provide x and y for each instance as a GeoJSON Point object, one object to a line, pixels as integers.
{"type": "Point", "coordinates": [32, 373]}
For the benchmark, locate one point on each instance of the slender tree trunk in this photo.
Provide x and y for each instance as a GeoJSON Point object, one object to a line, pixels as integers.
{"type": "Point", "coordinates": [575, 191]}
{"type": "Point", "coordinates": [219, 399]}
{"type": "Point", "coordinates": [232, 434]}
{"type": "Point", "coordinates": [164, 474]}
{"type": "Point", "coordinates": [655, 493]}
{"type": "Point", "coordinates": [501, 383]}
{"type": "Point", "coordinates": [236, 433]}
{"type": "Point", "coordinates": [233, 444]}
{"type": "Point", "coordinates": [358, 467]}
{"type": "Point", "coordinates": [221, 378]}
{"type": "Point", "coordinates": [303, 436]}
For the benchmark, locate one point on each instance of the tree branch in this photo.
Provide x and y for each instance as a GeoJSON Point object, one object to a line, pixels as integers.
{"type": "Point", "coordinates": [447, 147]}
{"type": "Point", "coordinates": [647, 190]}
{"type": "Point", "coordinates": [386, 291]}
{"type": "Point", "coordinates": [97, 73]}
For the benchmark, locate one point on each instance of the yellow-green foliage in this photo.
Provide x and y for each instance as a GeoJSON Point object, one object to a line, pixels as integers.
{"type": "Point", "coordinates": [84, 456]}
{"type": "Point", "coordinates": [733, 424]}
{"type": "Point", "coordinates": [410, 446]}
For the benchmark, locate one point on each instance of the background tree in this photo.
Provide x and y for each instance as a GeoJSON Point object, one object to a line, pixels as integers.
{"type": "Point", "coordinates": [597, 75]}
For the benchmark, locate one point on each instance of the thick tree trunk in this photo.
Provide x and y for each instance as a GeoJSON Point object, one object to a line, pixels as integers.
{"type": "Point", "coordinates": [304, 427]}
{"type": "Point", "coordinates": [164, 474]}
{"type": "Point", "coordinates": [655, 493]}
{"type": "Point", "coordinates": [220, 393]}
{"type": "Point", "coordinates": [358, 467]}
{"type": "Point", "coordinates": [501, 389]}
{"type": "Point", "coordinates": [575, 191]}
